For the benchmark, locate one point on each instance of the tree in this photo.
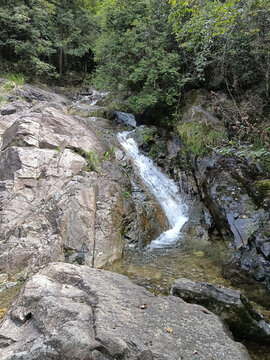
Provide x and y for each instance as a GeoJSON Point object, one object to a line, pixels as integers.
{"type": "Point", "coordinates": [45, 37]}
{"type": "Point", "coordinates": [137, 54]}
{"type": "Point", "coordinates": [231, 35]}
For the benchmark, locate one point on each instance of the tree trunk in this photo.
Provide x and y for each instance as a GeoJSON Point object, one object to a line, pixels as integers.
{"type": "Point", "coordinates": [60, 62]}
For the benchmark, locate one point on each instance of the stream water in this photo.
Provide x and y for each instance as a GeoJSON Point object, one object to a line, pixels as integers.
{"type": "Point", "coordinates": [164, 190]}
{"type": "Point", "coordinates": [173, 255]}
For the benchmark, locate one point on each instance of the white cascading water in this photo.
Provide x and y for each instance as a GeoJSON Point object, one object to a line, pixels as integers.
{"type": "Point", "coordinates": [164, 189]}
{"type": "Point", "coordinates": [91, 99]}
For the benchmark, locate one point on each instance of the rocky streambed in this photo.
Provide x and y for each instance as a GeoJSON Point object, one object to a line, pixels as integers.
{"type": "Point", "coordinates": [72, 203]}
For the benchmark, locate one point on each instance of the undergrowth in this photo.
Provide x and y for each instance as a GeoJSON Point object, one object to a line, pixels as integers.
{"type": "Point", "coordinates": [92, 159]}
{"type": "Point", "coordinates": [200, 138]}
{"type": "Point", "coordinates": [259, 156]}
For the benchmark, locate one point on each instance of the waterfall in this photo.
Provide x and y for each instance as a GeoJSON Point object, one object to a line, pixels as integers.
{"type": "Point", "coordinates": [164, 190]}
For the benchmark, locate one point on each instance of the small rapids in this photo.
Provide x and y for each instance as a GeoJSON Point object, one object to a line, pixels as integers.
{"type": "Point", "coordinates": [164, 190]}
{"type": "Point", "coordinates": [91, 99]}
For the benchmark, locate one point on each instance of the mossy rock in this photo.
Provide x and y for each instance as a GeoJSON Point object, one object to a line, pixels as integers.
{"type": "Point", "coordinates": [196, 97]}
{"type": "Point", "coordinates": [263, 186]}
{"type": "Point", "coordinates": [144, 135]}
{"type": "Point", "coordinates": [99, 112]}
{"type": "Point", "coordinates": [201, 137]}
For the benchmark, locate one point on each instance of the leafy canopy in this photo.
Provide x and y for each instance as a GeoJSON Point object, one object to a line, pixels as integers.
{"type": "Point", "coordinates": [43, 37]}
{"type": "Point", "coordinates": [137, 54]}
{"type": "Point", "coordinates": [231, 35]}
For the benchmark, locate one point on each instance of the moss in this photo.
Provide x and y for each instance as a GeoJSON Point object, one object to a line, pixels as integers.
{"type": "Point", "coordinates": [200, 138]}
{"type": "Point", "coordinates": [109, 154]}
{"type": "Point", "coordinates": [153, 152]}
{"type": "Point", "coordinates": [145, 135]}
{"type": "Point", "coordinates": [263, 186]}
{"type": "Point", "coordinates": [93, 162]}
{"type": "Point", "coordinates": [127, 194]}
{"type": "Point", "coordinates": [92, 158]}
{"type": "Point", "coordinates": [6, 298]}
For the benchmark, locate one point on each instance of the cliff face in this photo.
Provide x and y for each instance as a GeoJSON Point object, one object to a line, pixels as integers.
{"type": "Point", "coordinates": [49, 195]}
{"type": "Point", "coordinates": [62, 198]}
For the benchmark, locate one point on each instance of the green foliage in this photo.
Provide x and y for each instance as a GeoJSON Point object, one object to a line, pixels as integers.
{"type": "Point", "coordinates": [92, 159]}
{"type": "Point", "coordinates": [153, 152]}
{"type": "Point", "coordinates": [93, 162]}
{"type": "Point", "coordinates": [231, 36]}
{"type": "Point", "coordinates": [127, 194]}
{"type": "Point", "coordinates": [263, 186]}
{"type": "Point", "coordinates": [11, 82]}
{"type": "Point", "coordinates": [200, 138]}
{"type": "Point", "coordinates": [16, 79]}
{"type": "Point", "coordinates": [137, 55]}
{"type": "Point", "coordinates": [108, 154]}
{"type": "Point", "coordinates": [46, 38]}
{"type": "Point", "coordinates": [248, 152]}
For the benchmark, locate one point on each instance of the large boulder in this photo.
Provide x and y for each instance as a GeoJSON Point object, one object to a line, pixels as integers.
{"type": "Point", "coordinates": [49, 127]}
{"type": "Point", "coordinates": [231, 305]}
{"type": "Point", "coordinates": [71, 312]}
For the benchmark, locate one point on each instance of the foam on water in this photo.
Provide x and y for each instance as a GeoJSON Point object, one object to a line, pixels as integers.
{"type": "Point", "coordinates": [164, 189]}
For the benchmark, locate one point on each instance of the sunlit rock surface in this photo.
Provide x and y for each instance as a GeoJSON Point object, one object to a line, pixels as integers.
{"type": "Point", "coordinates": [71, 312]}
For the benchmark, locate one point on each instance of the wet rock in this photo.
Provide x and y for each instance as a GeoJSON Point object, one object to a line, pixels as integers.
{"type": "Point", "coordinates": [238, 205]}
{"type": "Point", "coordinates": [125, 118]}
{"type": "Point", "coordinates": [70, 312]}
{"type": "Point", "coordinates": [200, 222]}
{"type": "Point", "coordinates": [252, 261]}
{"type": "Point", "coordinates": [225, 193]}
{"type": "Point", "coordinates": [151, 142]}
{"type": "Point", "coordinates": [263, 188]}
{"type": "Point", "coordinates": [262, 242]}
{"type": "Point", "coordinates": [231, 305]}
{"type": "Point", "coordinates": [145, 220]}
{"type": "Point", "coordinates": [226, 189]}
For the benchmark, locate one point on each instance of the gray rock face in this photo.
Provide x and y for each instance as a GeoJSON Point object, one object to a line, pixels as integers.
{"type": "Point", "coordinates": [231, 305]}
{"type": "Point", "coordinates": [79, 313]}
{"type": "Point", "coordinates": [52, 206]}
{"type": "Point", "coordinates": [227, 191]}
{"type": "Point", "coordinates": [49, 127]}
{"type": "Point", "coordinates": [48, 202]}
{"type": "Point", "coordinates": [33, 94]}
{"type": "Point", "coordinates": [224, 187]}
